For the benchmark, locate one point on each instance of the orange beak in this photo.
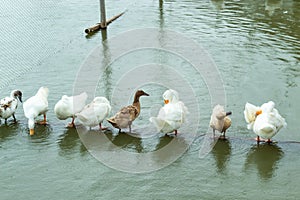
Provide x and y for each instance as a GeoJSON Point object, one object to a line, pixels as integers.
{"type": "Point", "coordinates": [166, 101]}
{"type": "Point", "coordinates": [31, 131]}
{"type": "Point", "coordinates": [258, 112]}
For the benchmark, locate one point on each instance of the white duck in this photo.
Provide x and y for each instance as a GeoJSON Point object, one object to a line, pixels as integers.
{"type": "Point", "coordinates": [172, 115]}
{"type": "Point", "coordinates": [95, 112]}
{"type": "Point", "coordinates": [35, 106]}
{"type": "Point", "coordinates": [268, 123]}
{"type": "Point", "coordinates": [67, 107]}
{"type": "Point", "coordinates": [8, 105]}
{"type": "Point", "coordinates": [220, 120]}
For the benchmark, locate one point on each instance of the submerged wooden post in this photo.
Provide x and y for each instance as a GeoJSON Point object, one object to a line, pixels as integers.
{"type": "Point", "coordinates": [103, 14]}
{"type": "Point", "coordinates": [103, 23]}
{"type": "Point", "coordinates": [99, 25]}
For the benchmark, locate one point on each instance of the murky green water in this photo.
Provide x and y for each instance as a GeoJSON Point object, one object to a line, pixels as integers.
{"type": "Point", "coordinates": [255, 46]}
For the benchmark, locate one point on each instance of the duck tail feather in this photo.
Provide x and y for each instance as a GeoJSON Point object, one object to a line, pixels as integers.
{"type": "Point", "coordinates": [111, 120]}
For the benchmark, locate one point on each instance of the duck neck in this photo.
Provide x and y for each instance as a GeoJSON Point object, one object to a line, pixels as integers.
{"type": "Point", "coordinates": [136, 103]}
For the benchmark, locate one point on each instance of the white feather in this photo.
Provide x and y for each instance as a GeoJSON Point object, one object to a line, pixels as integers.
{"type": "Point", "coordinates": [67, 106]}
{"type": "Point", "coordinates": [95, 112]}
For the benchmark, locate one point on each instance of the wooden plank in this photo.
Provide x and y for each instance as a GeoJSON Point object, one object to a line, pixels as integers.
{"type": "Point", "coordinates": [100, 26]}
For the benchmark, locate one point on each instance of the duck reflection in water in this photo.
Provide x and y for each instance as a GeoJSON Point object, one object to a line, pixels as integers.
{"type": "Point", "coordinates": [42, 133]}
{"type": "Point", "coordinates": [219, 4]}
{"type": "Point", "coordinates": [272, 5]}
{"type": "Point", "coordinates": [265, 157]}
{"type": "Point", "coordinates": [168, 149]}
{"type": "Point", "coordinates": [163, 141]}
{"type": "Point", "coordinates": [126, 141]}
{"type": "Point", "coordinates": [221, 153]}
{"type": "Point", "coordinates": [8, 131]}
{"type": "Point", "coordinates": [68, 142]}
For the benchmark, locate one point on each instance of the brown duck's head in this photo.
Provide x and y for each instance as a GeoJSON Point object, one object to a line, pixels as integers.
{"type": "Point", "coordinates": [141, 93]}
{"type": "Point", "coordinates": [138, 94]}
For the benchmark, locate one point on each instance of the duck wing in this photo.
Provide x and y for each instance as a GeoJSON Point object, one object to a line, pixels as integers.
{"type": "Point", "coordinates": [162, 125]}
{"type": "Point", "coordinates": [268, 107]}
{"type": "Point", "coordinates": [87, 116]}
{"type": "Point", "coordinates": [35, 106]}
{"type": "Point", "coordinates": [6, 103]}
{"type": "Point", "coordinates": [68, 106]}
{"type": "Point", "coordinates": [8, 108]}
{"type": "Point", "coordinates": [276, 119]}
{"type": "Point", "coordinates": [170, 117]}
{"type": "Point", "coordinates": [173, 112]}
{"type": "Point", "coordinates": [129, 111]}
{"type": "Point", "coordinates": [78, 102]}
{"type": "Point", "coordinates": [124, 117]}
{"type": "Point", "coordinates": [102, 110]}
{"type": "Point", "coordinates": [93, 113]}
{"type": "Point", "coordinates": [268, 124]}
{"type": "Point", "coordinates": [63, 108]}
{"type": "Point", "coordinates": [263, 128]}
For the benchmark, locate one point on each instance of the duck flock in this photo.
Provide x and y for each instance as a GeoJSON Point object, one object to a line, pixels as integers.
{"type": "Point", "coordinates": [264, 120]}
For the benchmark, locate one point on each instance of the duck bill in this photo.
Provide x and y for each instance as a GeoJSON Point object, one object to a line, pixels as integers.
{"type": "Point", "coordinates": [146, 94]}
{"type": "Point", "coordinates": [166, 101]}
{"type": "Point", "coordinates": [31, 131]}
{"type": "Point", "coordinates": [258, 112]}
{"type": "Point", "coordinates": [228, 113]}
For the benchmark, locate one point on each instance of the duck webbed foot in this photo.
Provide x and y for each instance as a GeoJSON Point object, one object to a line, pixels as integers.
{"type": "Point", "coordinates": [71, 125]}
{"type": "Point", "coordinates": [44, 122]}
{"type": "Point", "coordinates": [222, 136]}
{"type": "Point", "coordinates": [258, 140]}
{"type": "Point", "coordinates": [269, 141]}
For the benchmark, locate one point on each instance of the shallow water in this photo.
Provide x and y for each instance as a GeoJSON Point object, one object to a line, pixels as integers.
{"type": "Point", "coordinates": [255, 48]}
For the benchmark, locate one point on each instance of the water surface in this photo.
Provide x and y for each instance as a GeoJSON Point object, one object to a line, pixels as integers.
{"type": "Point", "coordinates": [255, 46]}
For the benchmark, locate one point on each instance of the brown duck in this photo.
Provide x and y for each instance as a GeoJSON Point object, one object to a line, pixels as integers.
{"type": "Point", "coordinates": [128, 114]}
